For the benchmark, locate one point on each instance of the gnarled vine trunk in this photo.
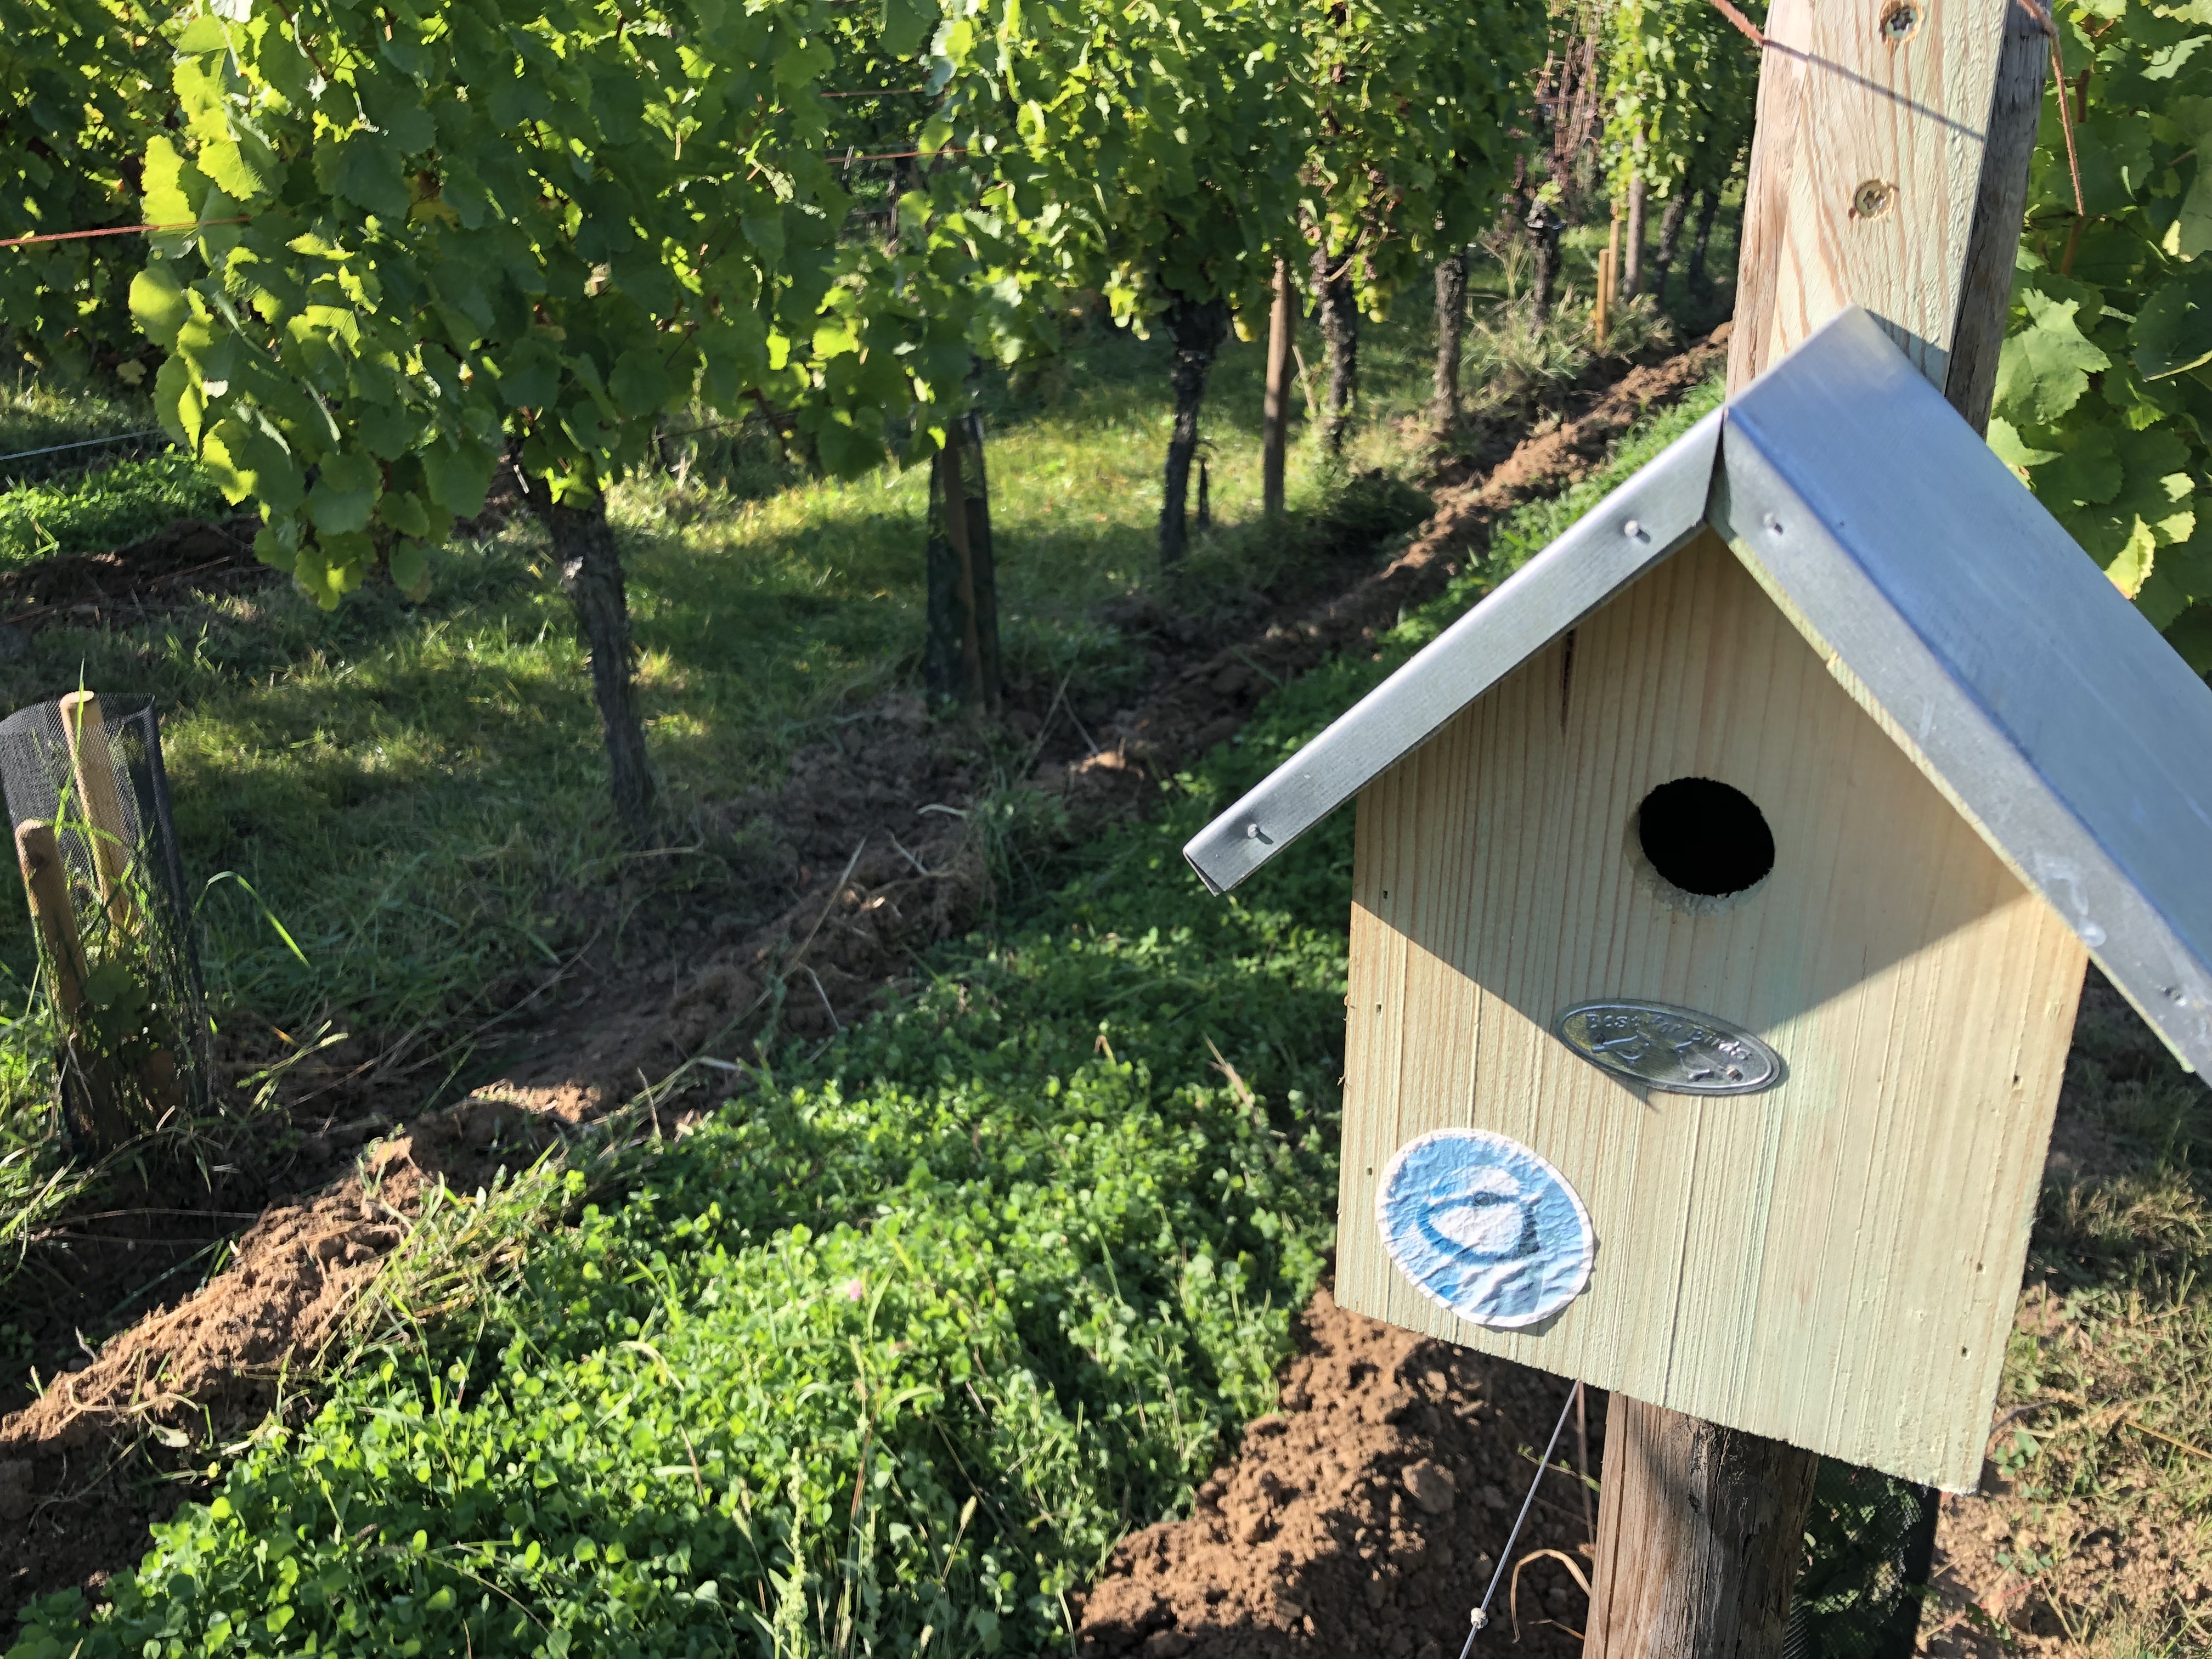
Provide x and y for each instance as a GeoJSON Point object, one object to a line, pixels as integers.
{"type": "Point", "coordinates": [1197, 327]}
{"type": "Point", "coordinates": [1695, 280]}
{"type": "Point", "coordinates": [1451, 324]}
{"type": "Point", "coordinates": [1544, 228]}
{"type": "Point", "coordinates": [1670, 236]}
{"type": "Point", "coordinates": [1339, 331]}
{"type": "Point", "coordinates": [592, 576]}
{"type": "Point", "coordinates": [960, 652]}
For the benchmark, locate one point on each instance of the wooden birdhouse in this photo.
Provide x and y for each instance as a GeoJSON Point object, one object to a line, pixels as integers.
{"type": "Point", "coordinates": [1723, 889]}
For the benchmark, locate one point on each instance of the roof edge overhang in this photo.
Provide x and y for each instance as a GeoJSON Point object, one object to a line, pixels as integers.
{"type": "Point", "coordinates": [1649, 517]}
{"type": "Point", "coordinates": [2024, 685]}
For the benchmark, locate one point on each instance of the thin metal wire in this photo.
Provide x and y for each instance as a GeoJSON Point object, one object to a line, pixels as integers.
{"type": "Point", "coordinates": [86, 443]}
{"type": "Point", "coordinates": [1480, 1617]}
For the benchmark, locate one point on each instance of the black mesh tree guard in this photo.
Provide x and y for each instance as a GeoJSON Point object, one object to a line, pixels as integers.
{"type": "Point", "coordinates": [119, 975]}
{"type": "Point", "coordinates": [1872, 1545]}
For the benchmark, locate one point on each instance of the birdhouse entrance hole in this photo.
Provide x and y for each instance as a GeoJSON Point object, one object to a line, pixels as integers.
{"type": "Point", "coordinates": [1704, 838]}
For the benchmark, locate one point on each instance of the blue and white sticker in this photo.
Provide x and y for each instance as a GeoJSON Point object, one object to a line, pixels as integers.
{"type": "Point", "coordinates": [1485, 1227]}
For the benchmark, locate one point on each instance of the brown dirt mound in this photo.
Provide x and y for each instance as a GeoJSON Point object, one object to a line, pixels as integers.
{"type": "Point", "coordinates": [1365, 1516]}
{"type": "Point", "coordinates": [215, 1361]}
{"type": "Point", "coordinates": [124, 587]}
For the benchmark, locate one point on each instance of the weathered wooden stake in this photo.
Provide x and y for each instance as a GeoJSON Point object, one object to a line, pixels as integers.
{"type": "Point", "coordinates": [99, 802]}
{"type": "Point", "coordinates": [45, 881]}
{"type": "Point", "coordinates": [1275, 408]}
{"type": "Point", "coordinates": [1600, 317]}
{"type": "Point", "coordinates": [1888, 169]}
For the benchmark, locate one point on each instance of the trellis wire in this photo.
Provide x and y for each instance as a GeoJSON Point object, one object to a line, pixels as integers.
{"type": "Point", "coordinates": [1480, 1617]}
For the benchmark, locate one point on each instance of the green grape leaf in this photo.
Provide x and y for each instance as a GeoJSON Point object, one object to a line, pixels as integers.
{"type": "Point", "coordinates": [158, 302]}
{"type": "Point", "coordinates": [343, 494]}
{"type": "Point", "coordinates": [906, 25]}
{"type": "Point", "coordinates": [2188, 564]}
{"type": "Point", "coordinates": [403, 512]}
{"type": "Point", "coordinates": [2086, 470]}
{"type": "Point", "coordinates": [2012, 449]}
{"type": "Point", "coordinates": [2172, 331]}
{"type": "Point", "coordinates": [2044, 368]}
{"type": "Point", "coordinates": [641, 383]}
{"type": "Point", "coordinates": [365, 168]}
{"type": "Point", "coordinates": [177, 402]}
{"type": "Point", "coordinates": [2190, 633]}
{"type": "Point", "coordinates": [201, 36]}
{"type": "Point", "coordinates": [410, 561]}
{"type": "Point", "coordinates": [458, 477]}
{"type": "Point", "coordinates": [846, 452]}
{"type": "Point", "coordinates": [2130, 567]}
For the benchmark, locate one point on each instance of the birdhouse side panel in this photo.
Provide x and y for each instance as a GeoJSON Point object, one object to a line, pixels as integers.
{"type": "Point", "coordinates": [1834, 1261]}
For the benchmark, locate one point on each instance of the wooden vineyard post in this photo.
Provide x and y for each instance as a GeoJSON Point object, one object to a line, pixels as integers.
{"type": "Point", "coordinates": [99, 802]}
{"type": "Point", "coordinates": [1275, 408]}
{"type": "Point", "coordinates": [1607, 270]}
{"type": "Point", "coordinates": [1888, 170]}
{"type": "Point", "coordinates": [45, 880]}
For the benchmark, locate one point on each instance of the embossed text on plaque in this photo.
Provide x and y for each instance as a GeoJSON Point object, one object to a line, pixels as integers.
{"type": "Point", "coordinates": [1677, 1050]}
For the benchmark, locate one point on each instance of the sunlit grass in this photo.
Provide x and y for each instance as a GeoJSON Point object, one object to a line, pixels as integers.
{"type": "Point", "coordinates": [418, 791]}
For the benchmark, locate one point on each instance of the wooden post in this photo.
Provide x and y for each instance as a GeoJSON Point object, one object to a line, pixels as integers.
{"type": "Point", "coordinates": [1888, 168]}
{"type": "Point", "coordinates": [1600, 314]}
{"type": "Point", "coordinates": [1275, 408]}
{"type": "Point", "coordinates": [1632, 265]}
{"type": "Point", "coordinates": [99, 802]}
{"type": "Point", "coordinates": [46, 883]}
{"type": "Point", "coordinates": [1699, 1530]}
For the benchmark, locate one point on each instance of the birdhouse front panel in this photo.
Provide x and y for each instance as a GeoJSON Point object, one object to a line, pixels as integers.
{"type": "Point", "coordinates": [1675, 820]}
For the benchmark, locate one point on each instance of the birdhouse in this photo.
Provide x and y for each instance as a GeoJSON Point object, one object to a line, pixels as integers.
{"type": "Point", "coordinates": [1722, 886]}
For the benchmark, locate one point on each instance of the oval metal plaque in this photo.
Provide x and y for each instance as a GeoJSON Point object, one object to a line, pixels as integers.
{"type": "Point", "coordinates": [1675, 1050]}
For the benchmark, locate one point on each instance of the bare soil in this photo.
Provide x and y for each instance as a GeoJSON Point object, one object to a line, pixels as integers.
{"type": "Point", "coordinates": [1367, 1515]}
{"type": "Point", "coordinates": [871, 860]}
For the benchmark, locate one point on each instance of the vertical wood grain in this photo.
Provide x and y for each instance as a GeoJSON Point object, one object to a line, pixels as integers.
{"type": "Point", "coordinates": [1866, 167]}
{"type": "Point", "coordinates": [1711, 1582]}
{"type": "Point", "coordinates": [2000, 212]}
{"type": "Point", "coordinates": [1832, 1262]}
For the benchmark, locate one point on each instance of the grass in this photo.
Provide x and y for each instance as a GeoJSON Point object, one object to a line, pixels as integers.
{"type": "Point", "coordinates": [36, 415]}
{"type": "Point", "coordinates": [2105, 1512]}
{"type": "Point", "coordinates": [885, 1355]}
{"type": "Point", "coordinates": [107, 509]}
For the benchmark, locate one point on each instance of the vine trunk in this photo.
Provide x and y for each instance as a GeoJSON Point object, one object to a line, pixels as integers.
{"type": "Point", "coordinates": [1197, 327]}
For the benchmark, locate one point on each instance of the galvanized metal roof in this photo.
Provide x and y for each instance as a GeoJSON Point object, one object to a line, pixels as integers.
{"type": "Point", "coordinates": [1945, 599]}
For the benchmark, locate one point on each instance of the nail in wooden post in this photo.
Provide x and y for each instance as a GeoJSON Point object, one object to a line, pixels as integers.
{"type": "Point", "coordinates": [99, 802]}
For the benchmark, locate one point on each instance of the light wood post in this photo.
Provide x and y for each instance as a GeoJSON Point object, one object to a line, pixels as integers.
{"type": "Point", "coordinates": [1888, 168]}
{"type": "Point", "coordinates": [1275, 409]}
{"type": "Point", "coordinates": [47, 883]}
{"type": "Point", "coordinates": [99, 802]}
{"type": "Point", "coordinates": [1601, 311]}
